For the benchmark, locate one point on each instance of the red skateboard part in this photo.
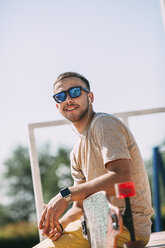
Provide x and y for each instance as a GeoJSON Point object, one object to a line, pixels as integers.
{"type": "Point", "coordinates": [124, 190]}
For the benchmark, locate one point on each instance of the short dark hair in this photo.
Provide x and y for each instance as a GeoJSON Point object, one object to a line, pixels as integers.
{"type": "Point", "coordinates": [72, 74]}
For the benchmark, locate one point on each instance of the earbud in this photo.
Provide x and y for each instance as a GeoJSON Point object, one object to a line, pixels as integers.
{"type": "Point", "coordinates": [89, 100]}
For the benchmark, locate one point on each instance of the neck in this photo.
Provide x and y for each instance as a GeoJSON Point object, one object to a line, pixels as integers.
{"type": "Point", "coordinates": [83, 123]}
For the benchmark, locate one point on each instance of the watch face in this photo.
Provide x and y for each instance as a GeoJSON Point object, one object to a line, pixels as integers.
{"type": "Point", "coordinates": [64, 192]}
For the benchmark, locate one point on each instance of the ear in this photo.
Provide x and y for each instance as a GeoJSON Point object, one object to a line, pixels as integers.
{"type": "Point", "coordinates": [91, 97]}
{"type": "Point", "coordinates": [57, 106]}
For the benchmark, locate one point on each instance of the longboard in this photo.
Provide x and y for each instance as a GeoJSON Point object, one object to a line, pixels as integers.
{"type": "Point", "coordinates": [102, 221]}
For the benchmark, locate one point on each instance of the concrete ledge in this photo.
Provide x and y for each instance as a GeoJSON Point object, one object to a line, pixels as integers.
{"type": "Point", "coordinates": [157, 239]}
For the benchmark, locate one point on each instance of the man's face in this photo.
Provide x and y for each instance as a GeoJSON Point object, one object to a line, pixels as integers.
{"type": "Point", "coordinates": [73, 109]}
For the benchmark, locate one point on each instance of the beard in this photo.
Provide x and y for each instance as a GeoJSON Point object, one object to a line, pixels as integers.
{"type": "Point", "coordinates": [79, 117]}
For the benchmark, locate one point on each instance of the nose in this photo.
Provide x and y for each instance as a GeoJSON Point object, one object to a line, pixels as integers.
{"type": "Point", "coordinates": [68, 99]}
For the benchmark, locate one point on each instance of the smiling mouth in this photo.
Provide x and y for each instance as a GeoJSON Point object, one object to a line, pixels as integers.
{"type": "Point", "coordinates": [70, 108]}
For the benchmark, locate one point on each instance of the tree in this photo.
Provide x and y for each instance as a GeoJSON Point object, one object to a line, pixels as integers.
{"type": "Point", "coordinates": [4, 213]}
{"type": "Point", "coordinates": [20, 190]}
{"type": "Point", "coordinates": [55, 173]}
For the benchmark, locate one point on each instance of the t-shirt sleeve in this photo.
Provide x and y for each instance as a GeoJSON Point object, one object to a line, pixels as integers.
{"type": "Point", "coordinates": [111, 138]}
{"type": "Point", "coordinates": [76, 171]}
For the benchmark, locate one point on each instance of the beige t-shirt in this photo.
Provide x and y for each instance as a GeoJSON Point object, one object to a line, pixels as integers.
{"type": "Point", "coordinates": [105, 140]}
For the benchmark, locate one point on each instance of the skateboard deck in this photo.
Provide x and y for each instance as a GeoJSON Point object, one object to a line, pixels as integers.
{"type": "Point", "coordinates": [102, 221]}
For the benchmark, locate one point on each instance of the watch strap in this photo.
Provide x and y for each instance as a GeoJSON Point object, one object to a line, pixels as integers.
{"type": "Point", "coordinates": [68, 199]}
{"type": "Point", "coordinates": [65, 193]}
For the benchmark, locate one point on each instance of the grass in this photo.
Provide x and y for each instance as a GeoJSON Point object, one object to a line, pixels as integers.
{"type": "Point", "coordinates": [19, 229]}
{"type": "Point", "coordinates": [20, 235]}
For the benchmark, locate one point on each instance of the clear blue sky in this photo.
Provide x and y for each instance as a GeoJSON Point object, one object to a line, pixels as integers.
{"type": "Point", "coordinates": [118, 45]}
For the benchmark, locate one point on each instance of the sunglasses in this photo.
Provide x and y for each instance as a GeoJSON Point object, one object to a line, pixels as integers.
{"type": "Point", "coordinates": [73, 92]}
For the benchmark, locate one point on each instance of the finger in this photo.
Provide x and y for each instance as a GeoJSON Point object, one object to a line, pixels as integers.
{"type": "Point", "coordinates": [46, 232]}
{"type": "Point", "coordinates": [50, 234]}
{"type": "Point", "coordinates": [56, 236]}
{"type": "Point", "coordinates": [42, 219]}
{"type": "Point", "coordinates": [47, 219]}
{"type": "Point", "coordinates": [52, 221]}
{"type": "Point", "coordinates": [53, 233]}
{"type": "Point", "coordinates": [56, 223]}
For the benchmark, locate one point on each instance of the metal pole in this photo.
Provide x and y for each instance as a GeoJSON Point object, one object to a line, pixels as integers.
{"type": "Point", "coordinates": [156, 189]}
{"type": "Point", "coordinates": [161, 167]}
{"type": "Point", "coordinates": [35, 176]}
{"type": "Point", "coordinates": [162, 6]}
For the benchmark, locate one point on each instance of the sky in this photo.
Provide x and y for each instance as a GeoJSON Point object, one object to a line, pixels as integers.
{"type": "Point", "coordinates": [118, 45]}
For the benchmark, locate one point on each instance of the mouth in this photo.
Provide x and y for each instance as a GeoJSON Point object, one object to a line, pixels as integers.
{"type": "Point", "coordinates": [70, 108]}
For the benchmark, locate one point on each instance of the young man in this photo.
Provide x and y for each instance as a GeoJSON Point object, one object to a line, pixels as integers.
{"type": "Point", "coordinates": [105, 154]}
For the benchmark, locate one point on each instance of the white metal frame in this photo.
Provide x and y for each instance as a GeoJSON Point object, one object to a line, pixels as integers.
{"type": "Point", "coordinates": [162, 6]}
{"type": "Point", "coordinates": [33, 151]}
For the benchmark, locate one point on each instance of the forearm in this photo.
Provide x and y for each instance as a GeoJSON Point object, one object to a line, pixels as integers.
{"type": "Point", "coordinates": [72, 214]}
{"type": "Point", "coordinates": [82, 191]}
{"type": "Point", "coordinates": [116, 173]}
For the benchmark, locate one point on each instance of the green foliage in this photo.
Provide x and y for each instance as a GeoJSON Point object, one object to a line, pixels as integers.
{"type": "Point", "coordinates": [5, 217]}
{"type": "Point", "coordinates": [55, 173]}
{"type": "Point", "coordinates": [20, 188]}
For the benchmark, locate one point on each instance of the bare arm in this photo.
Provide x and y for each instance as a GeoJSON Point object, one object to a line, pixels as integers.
{"type": "Point", "coordinates": [118, 171]}
{"type": "Point", "coordinates": [72, 215]}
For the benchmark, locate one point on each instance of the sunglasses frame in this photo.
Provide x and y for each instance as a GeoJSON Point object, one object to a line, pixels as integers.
{"type": "Point", "coordinates": [67, 92]}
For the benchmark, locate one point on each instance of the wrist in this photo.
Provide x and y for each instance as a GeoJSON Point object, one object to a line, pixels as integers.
{"type": "Point", "coordinates": [66, 194]}
{"type": "Point", "coordinates": [64, 222]}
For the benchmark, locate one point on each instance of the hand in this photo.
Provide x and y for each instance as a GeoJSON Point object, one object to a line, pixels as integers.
{"type": "Point", "coordinates": [53, 235]}
{"type": "Point", "coordinates": [50, 217]}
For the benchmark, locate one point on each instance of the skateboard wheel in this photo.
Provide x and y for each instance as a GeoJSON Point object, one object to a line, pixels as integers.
{"type": "Point", "coordinates": [124, 190]}
{"type": "Point", "coordinates": [115, 224]}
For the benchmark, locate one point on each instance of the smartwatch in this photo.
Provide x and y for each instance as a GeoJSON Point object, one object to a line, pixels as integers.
{"type": "Point", "coordinates": [65, 193]}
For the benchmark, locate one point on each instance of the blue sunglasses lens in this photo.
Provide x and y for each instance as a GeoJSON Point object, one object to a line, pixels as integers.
{"type": "Point", "coordinates": [60, 97]}
{"type": "Point", "coordinates": [74, 92]}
